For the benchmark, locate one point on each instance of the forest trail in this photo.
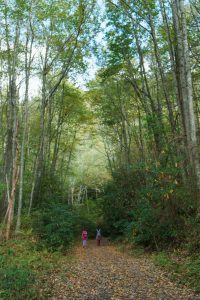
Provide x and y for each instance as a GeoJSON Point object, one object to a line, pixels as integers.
{"type": "Point", "coordinates": [104, 273]}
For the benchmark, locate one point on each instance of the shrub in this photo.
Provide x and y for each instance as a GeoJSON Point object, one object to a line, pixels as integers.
{"type": "Point", "coordinates": [162, 260]}
{"type": "Point", "coordinates": [16, 281]}
{"type": "Point", "coordinates": [148, 205]}
{"type": "Point", "coordinates": [150, 226]}
{"type": "Point", "coordinates": [192, 274]}
{"type": "Point", "coordinates": [54, 225]}
{"type": "Point", "coordinates": [185, 271]}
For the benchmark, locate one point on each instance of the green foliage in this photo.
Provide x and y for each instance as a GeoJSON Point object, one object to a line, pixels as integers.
{"type": "Point", "coordinates": [184, 269]}
{"type": "Point", "coordinates": [162, 259]}
{"type": "Point", "coordinates": [88, 215]}
{"type": "Point", "coordinates": [151, 226]}
{"type": "Point", "coordinates": [192, 274]}
{"type": "Point", "coordinates": [54, 225]}
{"type": "Point", "coordinates": [23, 269]}
{"type": "Point", "coordinates": [145, 225]}
{"type": "Point", "coordinates": [50, 187]}
{"type": "Point", "coordinates": [114, 208]}
{"type": "Point", "coordinates": [149, 206]}
{"type": "Point", "coordinates": [16, 282]}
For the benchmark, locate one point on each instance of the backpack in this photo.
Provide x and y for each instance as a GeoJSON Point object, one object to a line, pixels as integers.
{"type": "Point", "coordinates": [98, 233]}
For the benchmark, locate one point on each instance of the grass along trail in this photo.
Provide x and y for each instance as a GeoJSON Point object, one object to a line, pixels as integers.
{"type": "Point", "coordinates": [104, 273]}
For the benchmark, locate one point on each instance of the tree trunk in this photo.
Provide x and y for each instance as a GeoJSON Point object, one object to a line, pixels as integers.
{"type": "Point", "coordinates": [28, 60]}
{"type": "Point", "coordinates": [185, 86]}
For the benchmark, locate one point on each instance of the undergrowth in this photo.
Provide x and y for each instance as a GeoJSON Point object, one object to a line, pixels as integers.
{"type": "Point", "coordinates": [184, 269]}
{"type": "Point", "coordinates": [23, 269]}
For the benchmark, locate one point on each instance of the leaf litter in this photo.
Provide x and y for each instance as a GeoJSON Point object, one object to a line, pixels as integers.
{"type": "Point", "coordinates": [105, 273]}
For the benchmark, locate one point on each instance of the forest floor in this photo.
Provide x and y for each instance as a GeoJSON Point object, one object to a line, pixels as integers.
{"type": "Point", "coordinates": [105, 273]}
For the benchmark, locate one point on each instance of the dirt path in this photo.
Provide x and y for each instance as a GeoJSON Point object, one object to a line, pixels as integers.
{"type": "Point", "coordinates": [104, 273]}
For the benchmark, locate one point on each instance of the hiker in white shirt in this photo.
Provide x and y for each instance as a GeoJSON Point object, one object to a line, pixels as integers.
{"type": "Point", "coordinates": [98, 236]}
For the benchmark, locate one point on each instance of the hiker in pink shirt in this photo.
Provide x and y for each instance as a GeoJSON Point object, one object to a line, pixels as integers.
{"type": "Point", "coordinates": [84, 237]}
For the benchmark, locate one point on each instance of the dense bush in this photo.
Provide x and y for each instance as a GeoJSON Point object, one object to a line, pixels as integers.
{"type": "Point", "coordinates": [149, 206]}
{"type": "Point", "coordinates": [24, 269]}
{"type": "Point", "coordinates": [54, 225]}
{"type": "Point", "coordinates": [118, 200]}
{"type": "Point", "coordinates": [17, 279]}
{"type": "Point", "coordinates": [16, 283]}
{"type": "Point", "coordinates": [150, 226]}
